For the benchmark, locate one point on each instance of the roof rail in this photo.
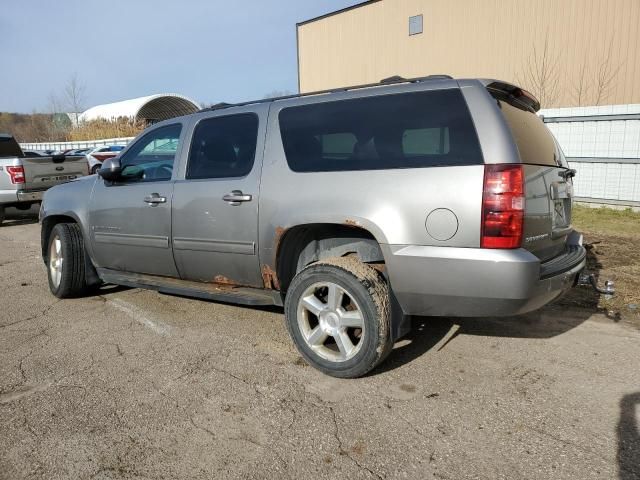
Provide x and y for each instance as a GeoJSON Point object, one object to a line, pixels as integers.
{"type": "Point", "coordinates": [396, 79]}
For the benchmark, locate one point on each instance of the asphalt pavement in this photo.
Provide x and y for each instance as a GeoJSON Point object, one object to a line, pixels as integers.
{"type": "Point", "coordinates": [132, 384]}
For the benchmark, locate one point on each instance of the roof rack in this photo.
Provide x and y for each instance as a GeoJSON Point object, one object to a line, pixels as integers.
{"type": "Point", "coordinates": [386, 81]}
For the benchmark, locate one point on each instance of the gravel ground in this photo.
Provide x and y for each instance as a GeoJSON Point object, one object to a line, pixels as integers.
{"type": "Point", "coordinates": [134, 384]}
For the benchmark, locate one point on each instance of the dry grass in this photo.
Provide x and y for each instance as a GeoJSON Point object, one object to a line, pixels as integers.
{"type": "Point", "coordinates": [612, 238]}
{"type": "Point", "coordinates": [100, 129]}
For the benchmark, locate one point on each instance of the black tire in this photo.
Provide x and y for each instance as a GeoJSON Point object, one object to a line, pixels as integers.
{"type": "Point", "coordinates": [371, 293]}
{"type": "Point", "coordinates": [2, 215]}
{"type": "Point", "coordinates": [95, 169]}
{"type": "Point", "coordinates": [72, 281]}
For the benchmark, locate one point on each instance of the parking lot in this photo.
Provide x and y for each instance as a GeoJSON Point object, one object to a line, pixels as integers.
{"type": "Point", "coordinates": [134, 384]}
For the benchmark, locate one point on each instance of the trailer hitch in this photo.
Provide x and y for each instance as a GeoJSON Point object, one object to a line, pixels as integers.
{"type": "Point", "coordinates": [589, 279]}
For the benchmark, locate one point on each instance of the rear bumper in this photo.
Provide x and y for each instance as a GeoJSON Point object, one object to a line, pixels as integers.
{"type": "Point", "coordinates": [473, 282]}
{"type": "Point", "coordinates": [8, 197]}
{"type": "Point", "coordinates": [30, 196]}
{"type": "Point", "coordinates": [13, 197]}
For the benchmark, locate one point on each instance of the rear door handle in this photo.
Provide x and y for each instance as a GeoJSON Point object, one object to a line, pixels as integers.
{"type": "Point", "coordinates": [236, 197]}
{"type": "Point", "coordinates": [155, 199]}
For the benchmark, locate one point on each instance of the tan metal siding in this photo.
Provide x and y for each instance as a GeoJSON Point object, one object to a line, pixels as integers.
{"type": "Point", "coordinates": [480, 38]}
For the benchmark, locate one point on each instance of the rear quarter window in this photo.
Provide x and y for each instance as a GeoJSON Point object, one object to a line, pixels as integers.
{"type": "Point", "coordinates": [535, 142]}
{"type": "Point", "coordinates": [408, 130]}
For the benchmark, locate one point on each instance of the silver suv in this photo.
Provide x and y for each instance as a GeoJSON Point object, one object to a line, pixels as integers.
{"type": "Point", "coordinates": [353, 209]}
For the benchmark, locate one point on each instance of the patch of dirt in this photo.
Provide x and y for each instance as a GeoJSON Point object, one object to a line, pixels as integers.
{"type": "Point", "coordinates": [611, 257]}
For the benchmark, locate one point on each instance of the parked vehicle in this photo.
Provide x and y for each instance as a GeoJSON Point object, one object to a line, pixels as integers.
{"type": "Point", "coordinates": [96, 156]}
{"type": "Point", "coordinates": [354, 209]}
{"type": "Point", "coordinates": [24, 178]}
{"type": "Point", "coordinates": [78, 151]}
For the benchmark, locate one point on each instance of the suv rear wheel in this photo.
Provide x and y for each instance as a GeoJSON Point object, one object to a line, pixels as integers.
{"type": "Point", "coordinates": [65, 261]}
{"type": "Point", "coordinates": [338, 314]}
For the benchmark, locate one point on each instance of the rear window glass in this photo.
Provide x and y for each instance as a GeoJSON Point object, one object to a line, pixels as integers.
{"type": "Point", "coordinates": [409, 130]}
{"type": "Point", "coordinates": [9, 147]}
{"type": "Point", "coordinates": [534, 140]}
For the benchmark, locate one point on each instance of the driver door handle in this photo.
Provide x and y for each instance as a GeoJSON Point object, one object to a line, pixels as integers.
{"type": "Point", "coordinates": [236, 197]}
{"type": "Point", "coordinates": [155, 199]}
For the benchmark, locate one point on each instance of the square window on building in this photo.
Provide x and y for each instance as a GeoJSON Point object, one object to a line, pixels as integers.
{"type": "Point", "coordinates": [415, 25]}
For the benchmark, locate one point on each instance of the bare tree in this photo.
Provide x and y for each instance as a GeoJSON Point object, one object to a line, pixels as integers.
{"type": "Point", "coordinates": [582, 86]}
{"type": "Point", "coordinates": [606, 74]}
{"type": "Point", "coordinates": [58, 124]}
{"type": "Point", "coordinates": [542, 74]}
{"type": "Point", "coordinates": [54, 104]}
{"type": "Point", "coordinates": [75, 96]}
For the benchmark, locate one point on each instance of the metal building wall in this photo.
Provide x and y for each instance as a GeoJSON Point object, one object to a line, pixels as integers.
{"type": "Point", "coordinates": [501, 39]}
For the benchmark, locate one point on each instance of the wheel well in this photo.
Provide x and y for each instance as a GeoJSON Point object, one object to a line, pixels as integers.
{"type": "Point", "coordinates": [304, 244]}
{"type": "Point", "coordinates": [47, 226]}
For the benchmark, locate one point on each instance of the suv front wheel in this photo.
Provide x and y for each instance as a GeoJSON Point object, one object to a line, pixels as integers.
{"type": "Point", "coordinates": [338, 314]}
{"type": "Point", "coordinates": [65, 261]}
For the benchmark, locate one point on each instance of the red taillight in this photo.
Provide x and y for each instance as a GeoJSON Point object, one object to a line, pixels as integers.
{"type": "Point", "coordinates": [502, 206]}
{"type": "Point", "coordinates": [16, 174]}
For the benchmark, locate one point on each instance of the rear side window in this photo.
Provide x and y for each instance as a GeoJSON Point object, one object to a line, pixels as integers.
{"type": "Point", "coordinates": [223, 147]}
{"type": "Point", "coordinates": [409, 130]}
{"type": "Point", "coordinates": [534, 140]}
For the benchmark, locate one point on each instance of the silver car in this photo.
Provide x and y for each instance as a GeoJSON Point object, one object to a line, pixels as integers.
{"type": "Point", "coordinates": [353, 209]}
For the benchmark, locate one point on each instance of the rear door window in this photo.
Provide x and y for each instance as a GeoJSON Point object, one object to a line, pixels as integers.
{"type": "Point", "coordinates": [409, 130]}
{"type": "Point", "coordinates": [223, 147]}
{"type": "Point", "coordinates": [535, 142]}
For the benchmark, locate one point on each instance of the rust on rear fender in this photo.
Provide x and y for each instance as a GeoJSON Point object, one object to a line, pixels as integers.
{"type": "Point", "coordinates": [269, 278]}
{"type": "Point", "coordinates": [352, 223]}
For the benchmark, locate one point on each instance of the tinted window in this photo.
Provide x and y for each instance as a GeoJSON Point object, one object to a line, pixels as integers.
{"type": "Point", "coordinates": [426, 141]}
{"type": "Point", "coordinates": [534, 140]}
{"type": "Point", "coordinates": [407, 130]}
{"type": "Point", "coordinates": [151, 158]}
{"type": "Point", "coordinates": [9, 147]}
{"type": "Point", "coordinates": [223, 147]}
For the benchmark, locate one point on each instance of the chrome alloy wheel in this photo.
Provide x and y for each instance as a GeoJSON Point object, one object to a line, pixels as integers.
{"type": "Point", "coordinates": [55, 261]}
{"type": "Point", "coordinates": [331, 322]}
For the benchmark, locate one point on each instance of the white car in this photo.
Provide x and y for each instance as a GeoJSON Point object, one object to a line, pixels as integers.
{"type": "Point", "coordinates": [97, 155]}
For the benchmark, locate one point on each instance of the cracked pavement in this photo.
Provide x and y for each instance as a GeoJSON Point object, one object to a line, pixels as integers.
{"type": "Point", "coordinates": [132, 384]}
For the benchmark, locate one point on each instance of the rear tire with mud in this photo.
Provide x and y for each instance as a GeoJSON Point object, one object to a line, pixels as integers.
{"type": "Point", "coordinates": [338, 313]}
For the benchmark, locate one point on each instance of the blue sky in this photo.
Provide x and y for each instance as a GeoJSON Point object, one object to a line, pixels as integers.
{"type": "Point", "coordinates": [209, 50]}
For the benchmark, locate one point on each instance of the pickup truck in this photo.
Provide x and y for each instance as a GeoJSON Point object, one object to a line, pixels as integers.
{"type": "Point", "coordinates": [24, 179]}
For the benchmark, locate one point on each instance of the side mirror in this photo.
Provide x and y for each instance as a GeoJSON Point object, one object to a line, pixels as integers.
{"type": "Point", "coordinates": [111, 169]}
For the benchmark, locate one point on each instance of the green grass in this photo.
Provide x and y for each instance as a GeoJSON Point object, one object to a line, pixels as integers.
{"type": "Point", "coordinates": [607, 221]}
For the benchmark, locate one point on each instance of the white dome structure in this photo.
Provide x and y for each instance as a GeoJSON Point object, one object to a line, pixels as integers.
{"type": "Point", "coordinates": [151, 109]}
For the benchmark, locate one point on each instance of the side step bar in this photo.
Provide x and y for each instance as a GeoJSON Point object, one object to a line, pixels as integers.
{"type": "Point", "coordinates": [207, 291]}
